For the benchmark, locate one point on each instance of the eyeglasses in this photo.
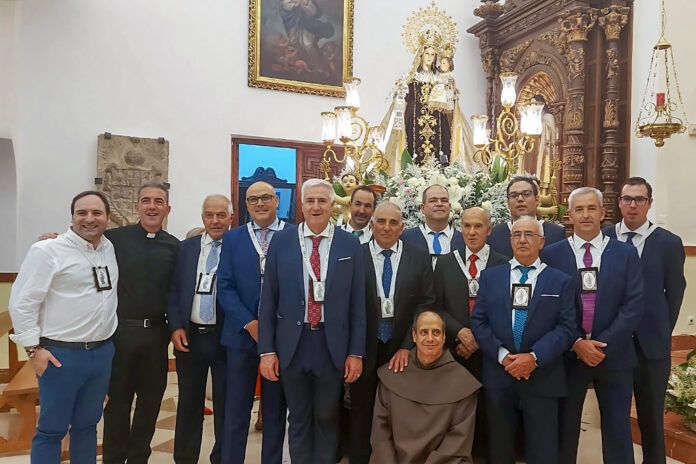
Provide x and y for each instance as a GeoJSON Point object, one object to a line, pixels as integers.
{"type": "Point", "coordinates": [640, 201]}
{"type": "Point", "coordinates": [265, 199]}
{"type": "Point", "coordinates": [515, 195]}
{"type": "Point", "coordinates": [526, 235]}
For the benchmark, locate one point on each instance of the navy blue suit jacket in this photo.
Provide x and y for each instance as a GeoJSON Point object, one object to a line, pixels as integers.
{"type": "Point", "coordinates": [619, 304]}
{"type": "Point", "coordinates": [283, 306]}
{"type": "Point", "coordinates": [499, 239]}
{"type": "Point", "coordinates": [549, 331]}
{"type": "Point", "coordinates": [183, 286]}
{"type": "Point", "coordinates": [414, 236]}
{"type": "Point", "coordinates": [239, 287]}
{"type": "Point", "coordinates": [663, 271]}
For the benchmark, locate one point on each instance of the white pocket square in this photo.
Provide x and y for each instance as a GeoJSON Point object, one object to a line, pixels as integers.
{"type": "Point", "coordinates": [549, 294]}
{"type": "Point", "coordinates": [343, 259]}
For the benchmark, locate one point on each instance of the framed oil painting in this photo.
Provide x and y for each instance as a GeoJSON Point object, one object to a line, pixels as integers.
{"type": "Point", "coordinates": [301, 46]}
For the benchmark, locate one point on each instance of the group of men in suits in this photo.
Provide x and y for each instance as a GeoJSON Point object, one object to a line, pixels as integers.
{"type": "Point", "coordinates": [317, 309]}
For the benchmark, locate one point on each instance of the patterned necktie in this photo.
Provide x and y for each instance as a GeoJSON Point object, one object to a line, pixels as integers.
{"type": "Point", "coordinates": [207, 303]}
{"type": "Point", "coordinates": [520, 314]}
{"type": "Point", "coordinates": [263, 234]}
{"type": "Point", "coordinates": [313, 307]}
{"type": "Point", "coordinates": [437, 246]}
{"type": "Point", "coordinates": [473, 272]}
{"type": "Point", "coordinates": [630, 237]}
{"type": "Point", "coordinates": [590, 298]}
{"type": "Point", "coordinates": [384, 331]}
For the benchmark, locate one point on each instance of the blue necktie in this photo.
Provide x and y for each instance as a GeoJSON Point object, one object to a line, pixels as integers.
{"type": "Point", "coordinates": [437, 246]}
{"type": "Point", "coordinates": [630, 237]}
{"type": "Point", "coordinates": [384, 332]}
{"type": "Point", "coordinates": [520, 314]}
{"type": "Point", "coordinates": [207, 309]}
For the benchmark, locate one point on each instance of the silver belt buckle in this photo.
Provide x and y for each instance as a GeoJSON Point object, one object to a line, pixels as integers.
{"type": "Point", "coordinates": [314, 327]}
{"type": "Point", "coordinates": [147, 323]}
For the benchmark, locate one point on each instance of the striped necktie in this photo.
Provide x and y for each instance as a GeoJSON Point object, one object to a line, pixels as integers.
{"type": "Point", "coordinates": [207, 306]}
{"type": "Point", "coordinates": [520, 314]}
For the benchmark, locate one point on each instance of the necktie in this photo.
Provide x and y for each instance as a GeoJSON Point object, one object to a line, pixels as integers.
{"type": "Point", "coordinates": [520, 314]}
{"type": "Point", "coordinates": [588, 299]}
{"type": "Point", "coordinates": [437, 246]}
{"type": "Point", "coordinates": [358, 233]}
{"type": "Point", "coordinates": [313, 307]}
{"type": "Point", "coordinates": [207, 304]}
{"type": "Point", "coordinates": [472, 272]}
{"type": "Point", "coordinates": [629, 238]}
{"type": "Point", "coordinates": [384, 331]}
{"type": "Point", "coordinates": [263, 234]}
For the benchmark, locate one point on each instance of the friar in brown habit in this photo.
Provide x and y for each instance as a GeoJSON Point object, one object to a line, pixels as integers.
{"type": "Point", "coordinates": [426, 413]}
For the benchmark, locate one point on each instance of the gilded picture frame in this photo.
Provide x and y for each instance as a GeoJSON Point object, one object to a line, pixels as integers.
{"type": "Point", "coordinates": [303, 46]}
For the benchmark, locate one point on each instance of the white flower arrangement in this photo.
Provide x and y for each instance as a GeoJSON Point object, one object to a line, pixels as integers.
{"type": "Point", "coordinates": [465, 190]}
{"type": "Point", "coordinates": [681, 391]}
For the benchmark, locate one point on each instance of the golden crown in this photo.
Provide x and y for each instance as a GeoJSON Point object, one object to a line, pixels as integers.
{"type": "Point", "coordinates": [430, 26]}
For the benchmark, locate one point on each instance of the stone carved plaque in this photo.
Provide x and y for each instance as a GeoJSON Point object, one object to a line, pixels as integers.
{"type": "Point", "coordinates": [123, 165]}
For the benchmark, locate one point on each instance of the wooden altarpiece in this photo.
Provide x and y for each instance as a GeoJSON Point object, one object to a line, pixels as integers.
{"type": "Point", "coordinates": [575, 54]}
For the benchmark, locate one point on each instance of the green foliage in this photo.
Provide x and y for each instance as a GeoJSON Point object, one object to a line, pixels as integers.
{"type": "Point", "coordinates": [499, 170]}
{"type": "Point", "coordinates": [338, 188]}
{"type": "Point", "coordinates": [406, 159]}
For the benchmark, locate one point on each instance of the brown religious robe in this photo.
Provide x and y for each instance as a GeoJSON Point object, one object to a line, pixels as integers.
{"type": "Point", "coordinates": [424, 415]}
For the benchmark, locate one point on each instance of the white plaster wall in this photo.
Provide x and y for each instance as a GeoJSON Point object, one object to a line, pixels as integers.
{"type": "Point", "coordinates": [175, 69]}
{"type": "Point", "coordinates": [8, 207]}
{"type": "Point", "coordinates": [7, 15]}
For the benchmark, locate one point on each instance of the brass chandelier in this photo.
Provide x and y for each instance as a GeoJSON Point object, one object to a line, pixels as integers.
{"type": "Point", "coordinates": [661, 115]}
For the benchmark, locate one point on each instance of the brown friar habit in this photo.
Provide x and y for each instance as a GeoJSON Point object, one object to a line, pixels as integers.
{"type": "Point", "coordinates": [424, 415]}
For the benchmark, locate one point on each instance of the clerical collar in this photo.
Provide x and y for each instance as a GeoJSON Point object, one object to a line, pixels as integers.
{"type": "Point", "coordinates": [307, 232]}
{"type": "Point", "coordinates": [274, 225]}
{"type": "Point", "coordinates": [596, 242]}
{"type": "Point", "coordinates": [149, 234]}
{"type": "Point", "coordinates": [642, 230]}
{"type": "Point", "coordinates": [482, 253]}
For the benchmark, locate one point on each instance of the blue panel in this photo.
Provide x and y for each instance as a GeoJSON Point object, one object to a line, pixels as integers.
{"type": "Point", "coordinates": [281, 159]}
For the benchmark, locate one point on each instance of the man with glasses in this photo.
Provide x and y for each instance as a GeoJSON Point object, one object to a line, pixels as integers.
{"type": "Point", "coordinates": [524, 321]}
{"type": "Point", "coordinates": [436, 235]}
{"type": "Point", "coordinates": [662, 257]}
{"type": "Point", "coordinates": [523, 200]}
{"type": "Point", "coordinates": [240, 277]}
{"type": "Point", "coordinates": [610, 300]}
{"type": "Point", "coordinates": [362, 203]}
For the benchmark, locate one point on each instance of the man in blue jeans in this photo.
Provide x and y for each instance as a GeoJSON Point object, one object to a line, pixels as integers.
{"type": "Point", "coordinates": [63, 308]}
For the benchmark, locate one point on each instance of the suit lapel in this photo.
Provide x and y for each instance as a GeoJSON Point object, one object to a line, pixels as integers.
{"type": "Point", "coordinates": [539, 287]}
{"type": "Point", "coordinates": [401, 271]}
{"type": "Point", "coordinates": [604, 272]}
{"type": "Point", "coordinates": [506, 296]}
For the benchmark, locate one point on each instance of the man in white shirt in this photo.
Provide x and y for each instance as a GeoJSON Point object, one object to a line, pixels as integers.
{"type": "Point", "coordinates": [195, 323]}
{"type": "Point", "coordinates": [362, 203]}
{"type": "Point", "coordinates": [435, 234]}
{"type": "Point", "coordinates": [63, 308]}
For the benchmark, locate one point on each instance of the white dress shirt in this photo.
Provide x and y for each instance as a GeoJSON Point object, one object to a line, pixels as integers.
{"type": "Point", "coordinates": [595, 250]}
{"type": "Point", "coordinates": [480, 263]}
{"type": "Point", "coordinates": [55, 295]}
{"type": "Point", "coordinates": [206, 247]}
{"type": "Point", "coordinates": [323, 260]}
{"type": "Point", "coordinates": [515, 276]}
{"type": "Point", "coordinates": [378, 261]}
{"type": "Point", "coordinates": [366, 235]}
{"type": "Point", "coordinates": [272, 229]}
{"type": "Point", "coordinates": [445, 238]}
{"type": "Point", "coordinates": [642, 233]}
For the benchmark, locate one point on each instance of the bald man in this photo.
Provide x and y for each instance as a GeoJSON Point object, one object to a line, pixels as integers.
{"type": "Point", "coordinates": [398, 282]}
{"type": "Point", "coordinates": [240, 277]}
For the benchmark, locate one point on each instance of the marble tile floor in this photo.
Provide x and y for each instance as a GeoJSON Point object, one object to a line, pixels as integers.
{"type": "Point", "coordinates": [590, 441]}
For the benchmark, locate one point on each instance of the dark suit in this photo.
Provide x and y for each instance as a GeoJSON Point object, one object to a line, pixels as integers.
{"type": "Point", "coordinates": [414, 236]}
{"type": "Point", "coordinates": [239, 292]}
{"type": "Point", "coordinates": [452, 292]}
{"type": "Point", "coordinates": [618, 310]}
{"type": "Point", "coordinates": [205, 352]}
{"type": "Point", "coordinates": [499, 239]}
{"type": "Point", "coordinates": [312, 361]}
{"type": "Point", "coordinates": [662, 260]}
{"type": "Point", "coordinates": [548, 333]}
{"type": "Point", "coordinates": [413, 290]}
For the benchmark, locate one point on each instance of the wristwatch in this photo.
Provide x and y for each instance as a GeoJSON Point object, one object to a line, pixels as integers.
{"type": "Point", "coordinates": [31, 350]}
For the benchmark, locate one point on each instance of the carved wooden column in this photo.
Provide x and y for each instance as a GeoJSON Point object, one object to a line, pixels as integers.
{"type": "Point", "coordinates": [489, 58]}
{"type": "Point", "coordinates": [575, 23]}
{"type": "Point", "coordinates": [612, 20]}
